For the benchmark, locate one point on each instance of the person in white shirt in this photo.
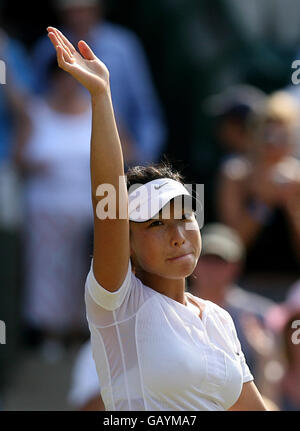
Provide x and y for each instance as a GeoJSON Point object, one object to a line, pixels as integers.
{"type": "Point", "coordinates": [145, 329]}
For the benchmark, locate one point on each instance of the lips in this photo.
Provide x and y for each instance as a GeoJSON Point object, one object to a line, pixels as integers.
{"type": "Point", "coordinates": [179, 256]}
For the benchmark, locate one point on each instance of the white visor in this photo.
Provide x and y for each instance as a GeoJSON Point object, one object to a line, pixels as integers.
{"type": "Point", "coordinates": [147, 200]}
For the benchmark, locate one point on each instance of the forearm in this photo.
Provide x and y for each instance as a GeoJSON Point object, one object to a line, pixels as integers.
{"type": "Point", "coordinates": [107, 163]}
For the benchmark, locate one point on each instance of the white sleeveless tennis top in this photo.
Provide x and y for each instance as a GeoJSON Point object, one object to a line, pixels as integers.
{"type": "Point", "coordinates": [154, 353]}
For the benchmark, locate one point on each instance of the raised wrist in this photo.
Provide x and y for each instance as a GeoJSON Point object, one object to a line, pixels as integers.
{"type": "Point", "coordinates": [100, 92]}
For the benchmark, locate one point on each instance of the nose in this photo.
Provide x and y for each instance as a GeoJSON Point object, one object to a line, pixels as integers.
{"type": "Point", "coordinates": [177, 236]}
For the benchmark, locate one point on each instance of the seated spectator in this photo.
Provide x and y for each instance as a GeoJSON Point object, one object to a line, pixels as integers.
{"type": "Point", "coordinates": [215, 278]}
{"type": "Point", "coordinates": [284, 320]}
{"type": "Point", "coordinates": [258, 193]}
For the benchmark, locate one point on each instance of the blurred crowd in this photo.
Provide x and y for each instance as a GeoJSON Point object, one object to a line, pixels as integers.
{"type": "Point", "coordinates": [209, 87]}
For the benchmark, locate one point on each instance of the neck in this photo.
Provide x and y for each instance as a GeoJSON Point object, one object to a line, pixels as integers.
{"type": "Point", "coordinates": [173, 288]}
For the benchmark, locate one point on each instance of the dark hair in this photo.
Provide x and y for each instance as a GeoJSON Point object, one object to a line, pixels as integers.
{"type": "Point", "coordinates": [144, 174]}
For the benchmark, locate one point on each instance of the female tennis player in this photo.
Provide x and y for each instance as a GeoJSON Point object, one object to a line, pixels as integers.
{"type": "Point", "coordinates": [155, 346]}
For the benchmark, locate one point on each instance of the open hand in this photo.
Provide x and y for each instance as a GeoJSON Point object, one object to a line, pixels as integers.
{"type": "Point", "coordinates": [84, 66]}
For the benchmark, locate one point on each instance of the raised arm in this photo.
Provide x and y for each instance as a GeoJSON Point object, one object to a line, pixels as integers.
{"type": "Point", "coordinates": [111, 235]}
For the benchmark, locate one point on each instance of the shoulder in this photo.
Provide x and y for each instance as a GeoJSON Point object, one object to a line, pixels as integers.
{"type": "Point", "coordinates": [130, 296]}
{"type": "Point", "coordinates": [219, 318]}
{"type": "Point", "coordinates": [216, 311]}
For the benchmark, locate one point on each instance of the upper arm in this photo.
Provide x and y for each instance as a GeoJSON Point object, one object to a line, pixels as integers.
{"type": "Point", "coordinates": [249, 399]}
{"type": "Point", "coordinates": [111, 250]}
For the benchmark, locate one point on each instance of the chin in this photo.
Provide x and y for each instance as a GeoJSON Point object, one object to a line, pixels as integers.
{"type": "Point", "coordinates": [182, 272]}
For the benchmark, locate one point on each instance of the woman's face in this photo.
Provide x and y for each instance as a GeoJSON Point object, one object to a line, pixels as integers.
{"type": "Point", "coordinates": [166, 247]}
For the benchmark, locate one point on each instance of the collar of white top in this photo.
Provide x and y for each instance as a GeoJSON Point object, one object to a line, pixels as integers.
{"type": "Point", "coordinates": [148, 199]}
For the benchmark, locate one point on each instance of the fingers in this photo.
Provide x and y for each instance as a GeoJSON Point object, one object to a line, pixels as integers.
{"type": "Point", "coordinates": [53, 39]}
{"type": "Point", "coordinates": [85, 50]}
{"type": "Point", "coordinates": [60, 54]}
{"type": "Point", "coordinates": [59, 40]}
{"type": "Point", "coordinates": [57, 44]}
{"type": "Point", "coordinates": [65, 42]}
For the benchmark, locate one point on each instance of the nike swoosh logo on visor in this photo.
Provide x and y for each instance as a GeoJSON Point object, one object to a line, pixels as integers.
{"type": "Point", "coordinates": [159, 187]}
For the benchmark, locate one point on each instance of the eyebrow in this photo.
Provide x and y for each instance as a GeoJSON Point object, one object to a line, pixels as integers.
{"type": "Point", "coordinates": [184, 211]}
